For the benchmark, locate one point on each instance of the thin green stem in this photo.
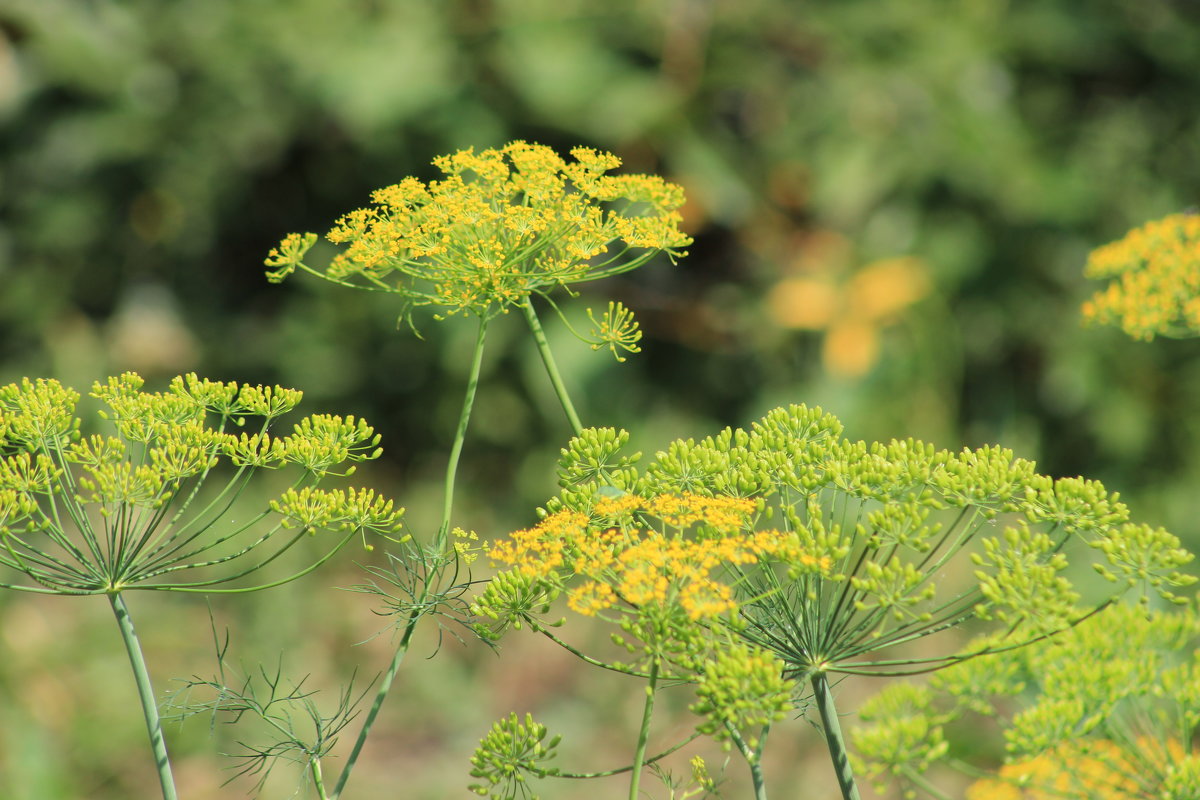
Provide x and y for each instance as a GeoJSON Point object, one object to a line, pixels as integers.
{"type": "Point", "coordinates": [146, 694]}
{"type": "Point", "coordinates": [834, 737]}
{"type": "Point", "coordinates": [460, 434]}
{"type": "Point", "coordinates": [753, 756]}
{"type": "Point", "coordinates": [927, 787]}
{"type": "Point", "coordinates": [539, 336]}
{"type": "Point", "coordinates": [314, 768]}
{"type": "Point", "coordinates": [608, 772]}
{"type": "Point", "coordinates": [639, 756]}
{"type": "Point", "coordinates": [384, 686]}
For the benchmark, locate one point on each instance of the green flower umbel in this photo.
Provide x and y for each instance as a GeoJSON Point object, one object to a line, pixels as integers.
{"type": "Point", "coordinates": [105, 513]}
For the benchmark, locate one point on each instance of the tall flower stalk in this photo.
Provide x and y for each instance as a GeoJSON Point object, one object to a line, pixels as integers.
{"type": "Point", "coordinates": [135, 509]}
{"type": "Point", "coordinates": [501, 226]}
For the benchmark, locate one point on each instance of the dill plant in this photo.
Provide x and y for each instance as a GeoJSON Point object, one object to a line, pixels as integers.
{"type": "Point", "coordinates": [821, 556]}
{"type": "Point", "coordinates": [501, 227]}
{"type": "Point", "coordinates": [112, 513]}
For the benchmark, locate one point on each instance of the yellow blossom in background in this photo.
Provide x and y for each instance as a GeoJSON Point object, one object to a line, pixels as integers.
{"type": "Point", "coordinates": [853, 312]}
{"type": "Point", "coordinates": [1155, 272]}
{"type": "Point", "coordinates": [1086, 770]}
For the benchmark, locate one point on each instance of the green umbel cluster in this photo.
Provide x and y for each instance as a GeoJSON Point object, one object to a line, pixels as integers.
{"type": "Point", "coordinates": [1106, 710]}
{"type": "Point", "coordinates": [136, 508]}
{"type": "Point", "coordinates": [889, 518]}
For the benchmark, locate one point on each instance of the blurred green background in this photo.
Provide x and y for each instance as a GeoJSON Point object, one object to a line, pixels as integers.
{"type": "Point", "coordinates": [892, 201]}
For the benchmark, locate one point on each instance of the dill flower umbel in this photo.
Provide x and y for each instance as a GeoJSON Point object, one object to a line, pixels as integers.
{"type": "Point", "coordinates": [1155, 272]}
{"type": "Point", "coordinates": [501, 225]}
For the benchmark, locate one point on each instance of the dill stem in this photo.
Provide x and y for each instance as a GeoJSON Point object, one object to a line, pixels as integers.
{"type": "Point", "coordinates": [639, 756]}
{"type": "Point", "coordinates": [460, 434]}
{"type": "Point", "coordinates": [560, 389]}
{"type": "Point", "coordinates": [834, 737]}
{"type": "Point", "coordinates": [314, 767]}
{"type": "Point", "coordinates": [384, 686]}
{"type": "Point", "coordinates": [753, 756]}
{"type": "Point", "coordinates": [141, 676]}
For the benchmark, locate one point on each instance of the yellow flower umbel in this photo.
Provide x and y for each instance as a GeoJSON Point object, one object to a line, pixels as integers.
{"type": "Point", "coordinates": [1155, 272]}
{"type": "Point", "coordinates": [624, 565]}
{"type": "Point", "coordinates": [502, 225]}
{"type": "Point", "coordinates": [1084, 770]}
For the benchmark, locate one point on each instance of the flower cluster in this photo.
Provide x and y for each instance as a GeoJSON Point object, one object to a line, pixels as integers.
{"type": "Point", "coordinates": [619, 561]}
{"type": "Point", "coordinates": [1092, 770]}
{"type": "Point", "coordinates": [1155, 272]}
{"type": "Point", "coordinates": [1106, 711]}
{"type": "Point", "coordinates": [83, 515]}
{"type": "Point", "coordinates": [501, 224]}
{"type": "Point", "coordinates": [512, 752]}
{"type": "Point", "coordinates": [879, 525]}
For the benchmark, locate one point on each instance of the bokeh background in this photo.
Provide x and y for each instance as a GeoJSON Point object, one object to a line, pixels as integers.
{"type": "Point", "coordinates": [891, 202]}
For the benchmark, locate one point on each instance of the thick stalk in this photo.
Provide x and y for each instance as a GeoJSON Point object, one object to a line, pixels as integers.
{"type": "Point", "coordinates": [639, 756]}
{"type": "Point", "coordinates": [146, 694]}
{"type": "Point", "coordinates": [460, 434]}
{"type": "Point", "coordinates": [834, 737]}
{"type": "Point", "coordinates": [539, 336]}
{"type": "Point", "coordinates": [384, 686]}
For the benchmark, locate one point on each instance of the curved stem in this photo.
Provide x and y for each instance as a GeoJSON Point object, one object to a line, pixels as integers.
{"type": "Point", "coordinates": [753, 756]}
{"type": "Point", "coordinates": [639, 756]}
{"type": "Point", "coordinates": [834, 737]}
{"type": "Point", "coordinates": [146, 694]}
{"type": "Point", "coordinates": [460, 434]}
{"type": "Point", "coordinates": [539, 336]}
{"type": "Point", "coordinates": [384, 686]}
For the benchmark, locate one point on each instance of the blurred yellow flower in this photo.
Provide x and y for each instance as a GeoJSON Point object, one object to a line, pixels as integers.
{"type": "Point", "coordinates": [852, 313]}
{"type": "Point", "coordinates": [1089, 770]}
{"type": "Point", "coordinates": [1156, 280]}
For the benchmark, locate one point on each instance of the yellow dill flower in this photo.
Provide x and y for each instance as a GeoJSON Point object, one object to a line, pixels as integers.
{"type": "Point", "coordinates": [1087, 770]}
{"type": "Point", "coordinates": [618, 508]}
{"type": "Point", "coordinates": [621, 561]}
{"type": "Point", "coordinates": [1156, 280]}
{"type": "Point", "coordinates": [538, 551]}
{"type": "Point", "coordinates": [591, 598]}
{"type": "Point", "coordinates": [501, 225]}
{"type": "Point", "coordinates": [724, 514]}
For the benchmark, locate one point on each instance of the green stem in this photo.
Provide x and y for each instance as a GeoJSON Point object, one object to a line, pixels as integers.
{"type": "Point", "coordinates": [460, 434]}
{"type": "Point", "coordinates": [639, 756]}
{"type": "Point", "coordinates": [146, 694]}
{"type": "Point", "coordinates": [543, 347]}
{"type": "Point", "coordinates": [753, 756]}
{"type": "Point", "coordinates": [609, 772]}
{"type": "Point", "coordinates": [314, 767]}
{"type": "Point", "coordinates": [384, 686]}
{"type": "Point", "coordinates": [834, 737]}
